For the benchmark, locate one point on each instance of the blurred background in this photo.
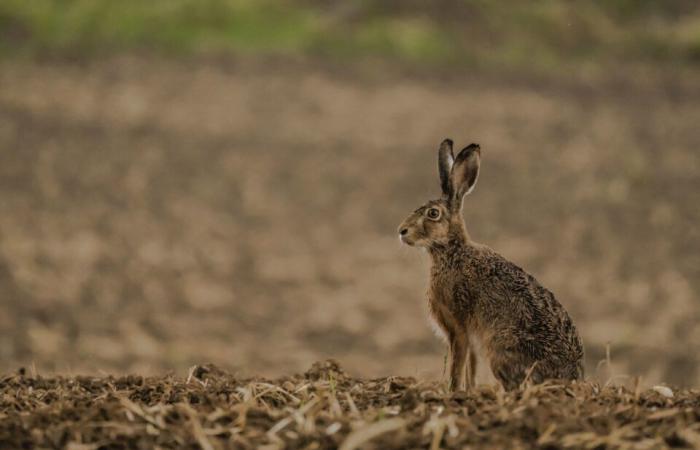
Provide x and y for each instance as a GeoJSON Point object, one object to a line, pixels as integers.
{"type": "Point", "coordinates": [190, 181]}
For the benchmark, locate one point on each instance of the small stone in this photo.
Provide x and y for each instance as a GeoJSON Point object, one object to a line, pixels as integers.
{"type": "Point", "coordinates": [663, 390]}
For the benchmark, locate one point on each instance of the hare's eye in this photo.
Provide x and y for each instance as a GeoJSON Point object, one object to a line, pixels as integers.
{"type": "Point", "coordinates": [434, 213]}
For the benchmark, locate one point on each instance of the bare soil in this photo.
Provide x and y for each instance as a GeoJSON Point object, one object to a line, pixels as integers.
{"type": "Point", "coordinates": [157, 214]}
{"type": "Point", "coordinates": [326, 408]}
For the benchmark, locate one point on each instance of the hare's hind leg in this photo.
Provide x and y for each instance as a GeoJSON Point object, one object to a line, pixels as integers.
{"type": "Point", "coordinates": [459, 346]}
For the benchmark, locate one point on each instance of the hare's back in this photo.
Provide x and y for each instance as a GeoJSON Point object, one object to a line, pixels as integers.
{"type": "Point", "coordinates": [530, 315]}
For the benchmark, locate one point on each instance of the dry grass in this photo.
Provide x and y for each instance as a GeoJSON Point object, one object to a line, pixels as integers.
{"type": "Point", "coordinates": [326, 408]}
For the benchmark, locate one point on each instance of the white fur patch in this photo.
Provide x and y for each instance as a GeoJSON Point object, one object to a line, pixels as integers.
{"type": "Point", "coordinates": [437, 329]}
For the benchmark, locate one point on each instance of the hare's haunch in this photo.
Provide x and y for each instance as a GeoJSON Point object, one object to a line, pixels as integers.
{"type": "Point", "coordinates": [476, 294]}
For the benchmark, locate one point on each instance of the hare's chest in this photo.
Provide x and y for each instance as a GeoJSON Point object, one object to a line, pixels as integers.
{"type": "Point", "coordinates": [445, 315]}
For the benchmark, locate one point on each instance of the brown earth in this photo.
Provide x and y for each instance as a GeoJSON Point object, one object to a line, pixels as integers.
{"type": "Point", "coordinates": [326, 408]}
{"type": "Point", "coordinates": [158, 214]}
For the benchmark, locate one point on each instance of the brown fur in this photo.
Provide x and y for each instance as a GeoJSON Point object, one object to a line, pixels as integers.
{"type": "Point", "coordinates": [475, 293]}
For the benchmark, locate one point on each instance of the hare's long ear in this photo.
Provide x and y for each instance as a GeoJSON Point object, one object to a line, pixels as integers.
{"type": "Point", "coordinates": [465, 172]}
{"type": "Point", "coordinates": [445, 162]}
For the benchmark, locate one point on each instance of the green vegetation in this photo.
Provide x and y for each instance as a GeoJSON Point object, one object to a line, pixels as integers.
{"type": "Point", "coordinates": [508, 33]}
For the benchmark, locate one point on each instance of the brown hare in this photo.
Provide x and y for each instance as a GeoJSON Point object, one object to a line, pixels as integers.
{"type": "Point", "coordinates": [476, 295]}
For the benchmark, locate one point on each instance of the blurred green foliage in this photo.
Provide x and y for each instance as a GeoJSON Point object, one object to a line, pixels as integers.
{"type": "Point", "coordinates": [509, 33]}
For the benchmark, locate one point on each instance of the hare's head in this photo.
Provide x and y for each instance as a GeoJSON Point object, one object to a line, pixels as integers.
{"type": "Point", "coordinates": [437, 221]}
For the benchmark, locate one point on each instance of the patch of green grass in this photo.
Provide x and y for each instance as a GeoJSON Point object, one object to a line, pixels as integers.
{"type": "Point", "coordinates": [504, 33]}
{"type": "Point", "coordinates": [407, 39]}
{"type": "Point", "coordinates": [86, 26]}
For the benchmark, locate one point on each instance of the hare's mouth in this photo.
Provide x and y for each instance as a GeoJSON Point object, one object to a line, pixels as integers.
{"type": "Point", "coordinates": [407, 240]}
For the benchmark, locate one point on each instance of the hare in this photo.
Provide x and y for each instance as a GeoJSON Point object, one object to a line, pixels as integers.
{"type": "Point", "coordinates": [475, 294]}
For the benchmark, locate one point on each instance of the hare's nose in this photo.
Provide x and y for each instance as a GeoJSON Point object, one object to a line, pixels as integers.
{"type": "Point", "coordinates": [403, 231]}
